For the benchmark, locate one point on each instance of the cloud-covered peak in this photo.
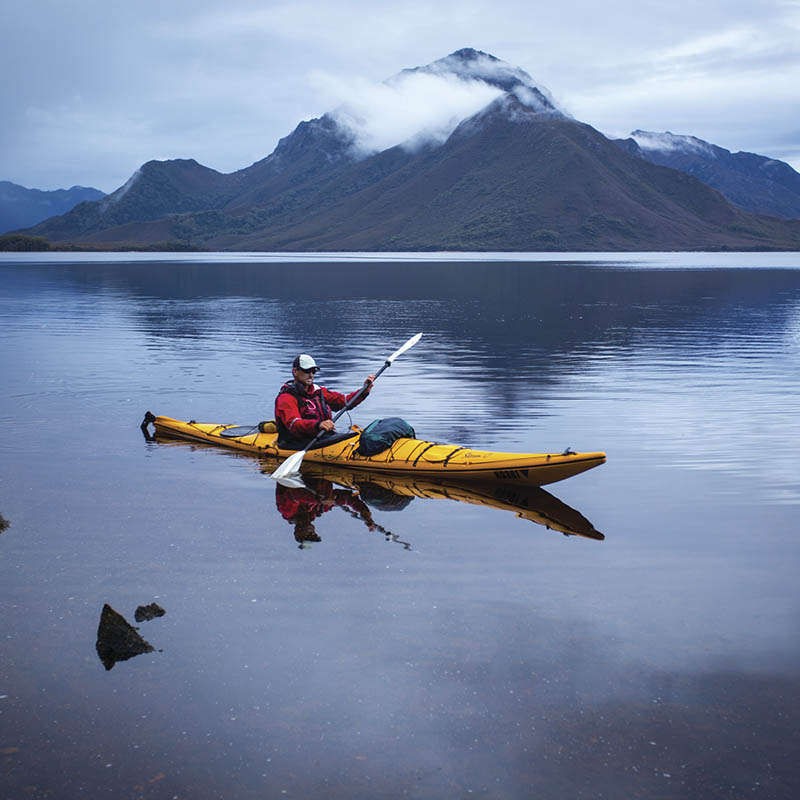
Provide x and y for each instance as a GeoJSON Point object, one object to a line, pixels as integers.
{"type": "Point", "coordinates": [116, 196]}
{"type": "Point", "coordinates": [469, 64]}
{"type": "Point", "coordinates": [422, 106]}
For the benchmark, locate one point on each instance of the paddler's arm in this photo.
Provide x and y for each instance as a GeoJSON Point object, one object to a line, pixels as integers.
{"type": "Point", "coordinates": [338, 401]}
{"type": "Point", "coordinates": [367, 388]}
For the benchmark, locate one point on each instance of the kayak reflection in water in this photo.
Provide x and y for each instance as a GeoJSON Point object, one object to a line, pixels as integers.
{"type": "Point", "coordinates": [390, 492]}
{"type": "Point", "coordinates": [301, 506]}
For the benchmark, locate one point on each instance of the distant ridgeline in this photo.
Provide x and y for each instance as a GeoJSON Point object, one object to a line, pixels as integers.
{"type": "Point", "coordinates": [21, 207]}
{"type": "Point", "coordinates": [752, 182]}
{"type": "Point", "coordinates": [516, 173]}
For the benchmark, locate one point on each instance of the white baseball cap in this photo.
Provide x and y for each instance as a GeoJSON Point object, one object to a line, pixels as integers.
{"type": "Point", "coordinates": [304, 362]}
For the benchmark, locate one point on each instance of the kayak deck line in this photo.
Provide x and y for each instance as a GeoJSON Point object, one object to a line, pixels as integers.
{"type": "Point", "coordinates": [405, 455]}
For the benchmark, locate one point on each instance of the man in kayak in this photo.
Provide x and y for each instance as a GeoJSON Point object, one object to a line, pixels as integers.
{"type": "Point", "coordinates": [303, 409]}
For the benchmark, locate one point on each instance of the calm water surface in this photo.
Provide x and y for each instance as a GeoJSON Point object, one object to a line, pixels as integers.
{"type": "Point", "coordinates": [413, 646]}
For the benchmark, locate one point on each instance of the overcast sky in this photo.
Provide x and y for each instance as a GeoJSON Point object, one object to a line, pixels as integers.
{"type": "Point", "coordinates": [92, 89]}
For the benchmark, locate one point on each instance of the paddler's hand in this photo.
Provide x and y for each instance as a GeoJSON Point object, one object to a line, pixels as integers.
{"type": "Point", "coordinates": [368, 383]}
{"type": "Point", "coordinates": [327, 426]}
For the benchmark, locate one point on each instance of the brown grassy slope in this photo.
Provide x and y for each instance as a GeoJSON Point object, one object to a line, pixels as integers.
{"type": "Point", "coordinates": [500, 184]}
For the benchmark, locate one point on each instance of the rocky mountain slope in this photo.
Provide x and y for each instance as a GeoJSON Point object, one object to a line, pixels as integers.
{"type": "Point", "coordinates": [750, 181]}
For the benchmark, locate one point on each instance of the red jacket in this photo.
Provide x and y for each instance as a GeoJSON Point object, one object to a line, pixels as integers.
{"type": "Point", "coordinates": [298, 413]}
{"type": "Point", "coordinates": [302, 506]}
{"type": "Point", "coordinates": [305, 504]}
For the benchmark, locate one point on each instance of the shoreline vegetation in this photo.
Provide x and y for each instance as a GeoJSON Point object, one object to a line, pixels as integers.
{"type": "Point", "coordinates": [22, 243]}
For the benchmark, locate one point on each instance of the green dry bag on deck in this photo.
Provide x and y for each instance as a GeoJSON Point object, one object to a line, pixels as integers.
{"type": "Point", "coordinates": [380, 434]}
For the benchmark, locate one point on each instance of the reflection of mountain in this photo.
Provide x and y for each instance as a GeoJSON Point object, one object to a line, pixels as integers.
{"type": "Point", "coordinates": [203, 324]}
{"type": "Point", "coordinates": [117, 639]}
{"type": "Point", "coordinates": [395, 492]}
{"type": "Point", "coordinates": [546, 315]}
{"type": "Point", "coordinates": [182, 299]}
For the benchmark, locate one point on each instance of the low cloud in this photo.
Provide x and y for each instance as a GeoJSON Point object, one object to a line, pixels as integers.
{"type": "Point", "coordinates": [116, 196]}
{"type": "Point", "coordinates": [670, 142]}
{"type": "Point", "coordinates": [414, 109]}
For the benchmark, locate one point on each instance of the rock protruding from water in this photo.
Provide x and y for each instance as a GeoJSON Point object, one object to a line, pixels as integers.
{"type": "Point", "coordinates": [117, 639]}
{"type": "Point", "coordinates": [144, 613]}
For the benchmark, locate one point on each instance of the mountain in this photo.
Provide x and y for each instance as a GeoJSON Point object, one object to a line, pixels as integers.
{"type": "Point", "coordinates": [162, 194]}
{"type": "Point", "coordinates": [752, 182]}
{"type": "Point", "coordinates": [515, 173]}
{"type": "Point", "coordinates": [21, 207]}
{"type": "Point", "coordinates": [155, 191]}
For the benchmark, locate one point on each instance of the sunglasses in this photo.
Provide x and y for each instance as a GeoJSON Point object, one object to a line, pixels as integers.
{"type": "Point", "coordinates": [311, 371]}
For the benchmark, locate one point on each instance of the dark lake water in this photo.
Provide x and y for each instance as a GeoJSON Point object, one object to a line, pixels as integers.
{"type": "Point", "coordinates": [416, 647]}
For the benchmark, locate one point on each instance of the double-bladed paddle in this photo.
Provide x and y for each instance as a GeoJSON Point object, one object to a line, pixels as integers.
{"type": "Point", "coordinates": [292, 464]}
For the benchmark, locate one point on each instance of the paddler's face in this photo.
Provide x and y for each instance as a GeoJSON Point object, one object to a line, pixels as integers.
{"type": "Point", "coordinates": [303, 377]}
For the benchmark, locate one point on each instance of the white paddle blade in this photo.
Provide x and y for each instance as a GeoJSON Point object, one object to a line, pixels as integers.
{"type": "Point", "coordinates": [292, 482]}
{"type": "Point", "coordinates": [290, 467]}
{"type": "Point", "coordinates": [410, 343]}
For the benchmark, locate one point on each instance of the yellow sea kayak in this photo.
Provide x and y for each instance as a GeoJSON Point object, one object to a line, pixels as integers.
{"type": "Point", "coordinates": [405, 456]}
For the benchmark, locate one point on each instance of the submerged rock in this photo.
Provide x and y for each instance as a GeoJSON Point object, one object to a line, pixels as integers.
{"type": "Point", "coordinates": [117, 639]}
{"type": "Point", "coordinates": [152, 611]}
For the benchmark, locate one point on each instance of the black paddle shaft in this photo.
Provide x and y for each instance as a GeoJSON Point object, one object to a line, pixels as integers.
{"type": "Point", "coordinates": [350, 404]}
